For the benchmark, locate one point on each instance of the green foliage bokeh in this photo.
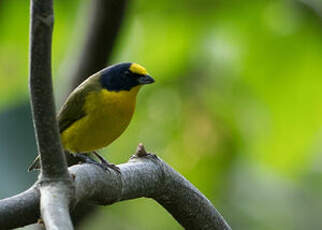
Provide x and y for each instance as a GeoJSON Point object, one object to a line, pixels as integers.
{"type": "Point", "coordinates": [236, 107]}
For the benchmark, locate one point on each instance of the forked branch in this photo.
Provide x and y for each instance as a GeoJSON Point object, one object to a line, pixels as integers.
{"type": "Point", "coordinates": [145, 175]}
{"type": "Point", "coordinates": [55, 184]}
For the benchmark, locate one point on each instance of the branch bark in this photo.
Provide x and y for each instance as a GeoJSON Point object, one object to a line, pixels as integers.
{"type": "Point", "coordinates": [41, 90]}
{"type": "Point", "coordinates": [314, 6]}
{"type": "Point", "coordinates": [55, 184]}
{"type": "Point", "coordinates": [142, 176]}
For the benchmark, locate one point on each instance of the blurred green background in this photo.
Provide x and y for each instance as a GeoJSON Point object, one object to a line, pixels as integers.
{"type": "Point", "coordinates": [236, 107]}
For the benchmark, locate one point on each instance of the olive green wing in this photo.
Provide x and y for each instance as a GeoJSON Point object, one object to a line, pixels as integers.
{"type": "Point", "coordinates": [73, 108]}
{"type": "Point", "coordinates": [71, 111]}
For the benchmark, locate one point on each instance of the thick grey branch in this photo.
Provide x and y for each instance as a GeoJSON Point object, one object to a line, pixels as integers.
{"type": "Point", "coordinates": [187, 204]}
{"type": "Point", "coordinates": [55, 205]}
{"type": "Point", "coordinates": [20, 210]}
{"type": "Point", "coordinates": [55, 184]}
{"type": "Point", "coordinates": [314, 5]}
{"type": "Point", "coordinates": [41, 91]}
{"type": "Point", "coordinates": [145, 176]}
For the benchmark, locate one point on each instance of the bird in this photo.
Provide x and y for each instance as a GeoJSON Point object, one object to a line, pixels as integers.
{"type": "Point", "coordinates": [98, 111]}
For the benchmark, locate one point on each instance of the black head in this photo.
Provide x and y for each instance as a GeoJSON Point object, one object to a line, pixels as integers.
{"type": "Point", "coordinates": [124, 76]}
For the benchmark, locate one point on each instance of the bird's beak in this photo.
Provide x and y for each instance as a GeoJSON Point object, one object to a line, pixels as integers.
{"type": "Point", "coordinates": [145, 79]}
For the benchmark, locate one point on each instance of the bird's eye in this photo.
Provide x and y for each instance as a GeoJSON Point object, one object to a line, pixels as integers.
{"type": "Point", "coordinates": [127, 73]}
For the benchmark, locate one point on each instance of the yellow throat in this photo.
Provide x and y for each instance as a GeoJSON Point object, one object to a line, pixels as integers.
{"type": "Point", "coordinates": [107, 116]}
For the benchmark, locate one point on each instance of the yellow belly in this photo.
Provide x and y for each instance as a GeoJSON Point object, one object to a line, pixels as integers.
{"type": "Point", "coordinates": [108, 115]}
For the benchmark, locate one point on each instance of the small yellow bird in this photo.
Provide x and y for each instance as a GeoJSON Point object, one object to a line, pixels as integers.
{"type": "Point", "coordinates": [99, 110]}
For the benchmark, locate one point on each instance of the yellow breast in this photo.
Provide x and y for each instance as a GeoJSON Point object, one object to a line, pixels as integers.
{"type": "Point", "coordinates": [107, 116]}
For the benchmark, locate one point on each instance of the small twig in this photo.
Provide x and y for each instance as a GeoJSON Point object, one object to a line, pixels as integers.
{"type": "Point", "coordinates": [140, 151]}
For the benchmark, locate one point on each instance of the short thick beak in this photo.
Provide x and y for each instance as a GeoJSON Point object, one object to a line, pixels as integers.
{"type": "Point", "coordinates": [145, 79]}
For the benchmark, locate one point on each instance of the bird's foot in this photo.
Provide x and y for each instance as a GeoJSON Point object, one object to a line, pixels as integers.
{"type": "Point", "coordinates": [106, 164]}
{"type": "Point", "coordinates": [83, 158]}
{"type": "Point", "coordinates": [103, 165]}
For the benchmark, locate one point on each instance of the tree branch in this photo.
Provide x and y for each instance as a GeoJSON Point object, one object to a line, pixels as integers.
{"type": "Point", "coordinates": [21, 209]}
{"type": "Point", "coordinates": [41, 90]}
{"type": "Point", "coordinates": [314, 6]}
{"type": "Point", "coordinates": [143, 176]}
{"type": "Point", "coordinates": [54, 205]}
{"type": "Point", "coordinates": [55, 184]}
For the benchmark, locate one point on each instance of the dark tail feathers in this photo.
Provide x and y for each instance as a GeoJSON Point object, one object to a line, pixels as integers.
{"type": "Point", "coordinates": [35, 164]}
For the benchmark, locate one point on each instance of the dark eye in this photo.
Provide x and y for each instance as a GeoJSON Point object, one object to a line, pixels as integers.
{"type": "Point", "coordinates": [127, 73]}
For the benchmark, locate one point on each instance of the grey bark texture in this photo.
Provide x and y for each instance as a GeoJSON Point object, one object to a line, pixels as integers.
{"type": "Point", "coordinates": [55, 183]}
{"type": "Point", "coordinates": [145, 175]}
{"type": "Point", "coordinates": [41, 90]}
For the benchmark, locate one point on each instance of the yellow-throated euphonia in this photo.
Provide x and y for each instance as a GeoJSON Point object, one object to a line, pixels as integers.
{"type": "Point", "coordinates": [99, 109]}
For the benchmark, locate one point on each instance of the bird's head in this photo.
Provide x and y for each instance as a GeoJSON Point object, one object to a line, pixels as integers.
{"type": "Point", "coordinates": [124, 76]}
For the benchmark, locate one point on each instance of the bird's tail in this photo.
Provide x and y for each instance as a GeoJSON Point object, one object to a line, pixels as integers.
{"type": "Point", "coordinates": [71, 160]}
{"type": "Point", "coordinates": [35, 164]}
